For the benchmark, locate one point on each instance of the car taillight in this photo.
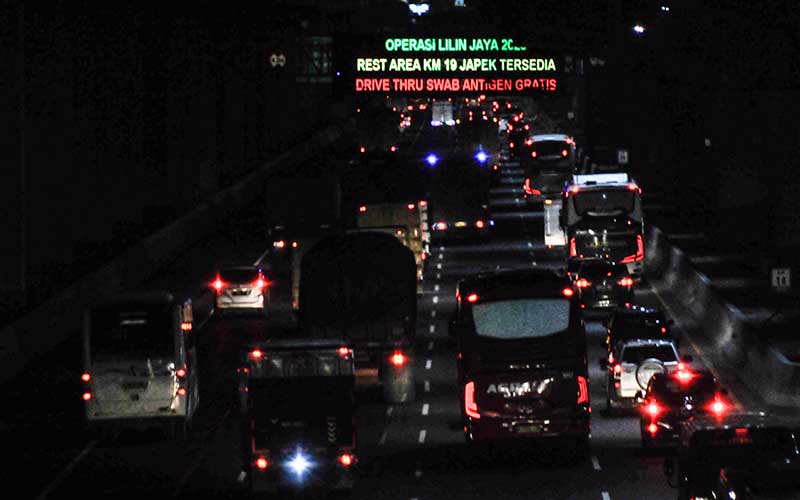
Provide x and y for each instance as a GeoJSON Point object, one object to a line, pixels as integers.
{"type": "Point", "coordinates": [181, 391]}
{"type": "Point", "coordinates": [362, 149]}
{"type": "Point", "coordinates": [260, 283]}
{"type": "Point", "coordinates": [279, 244]}
{"type": "Point", "coordinates": [218, 284]}
{"type": "Point", "coordinates": [617, 369]}
{"type": "Point", "coordinates": [362, 209]}
{"type": "Point", "coordinates": [633, 187]}
{"type": "Point", "coordinates": [583, 390]}
{"type": "Point", "coordinates": [529, 142]}
{"type": "Point", "coordinates": [582, 283]}
{"type": "Point", "coordinates": [186, 326]}
{"type": "Point", "coordinates": [567, 292]}
{"type": "Point", "coordinates": [639, 255]}
{"type": "Point", "coordinates": [652, 428]}
{"type": "Point", "coordinates": [411, 206]}
{"type": "Point", "coordinates": [663, 329]}
{"type": "Point", "coordinates": [472, 298]}
{"type": "Point", "coordinates": [573, 248]}
{"type": "Point", "coordinates": [564, 153]}
{"type": "Point", "coordinates": [626, 281]}
{"type": "Point", "coordinates": [683, 376]}
{"type": "Point", "coordinates": [653, 409]}
{"type": "Point", "coordinates": [511, 144]}
{"type": "Point", "coordinates": [180, 372]}
{"type": "Point", "coordinates": [256, 355]}
{"type": "Point", "coordinates": [346, 459]}
{"type": "Point", "coordinates": [345, 351]}
{"type": "Point", "coordinates": [398, 359]}
{"type": "Point", "coordinates": [718, 407]}
{"type": "Point", "coordinates": [495, 167]}
{"type": "Point", "coordinates": [87, 396]}
{"type": "Point", "coordinates": [534, 154]}
{"type": "Point", "coordinates": [261, 463]}
{"type": "Point", "coordinates": [86, 377]}
{"type": "Point", "coordinates": [610, 358]}
{"type": "Point", "coordinates": [470, 406]}
{"type": "Point", "coordinates": [480, 224]}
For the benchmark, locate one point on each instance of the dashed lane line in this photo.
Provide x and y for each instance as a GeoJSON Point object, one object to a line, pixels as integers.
{"type": "Point", "coordinates": [435, 299]}
{"type": "Point", "coordinates": [605, 495]}
{"type": "Point", "coordinates": [427, 386]}
{"type": "Point", "coordinates": [428, 364]}
{"type": "Point", "coordinates": [66, 471]}
{"type": "Point", "coordinates": [432, 328]}
{"type": "Point", "coordinates": [436, 288]}
{"type": "Point", "coordinates": [433, 314]}
{"type": "Point", "coordinates": [422, 434]}
{"type": "Point", "coordinates": [382, 440]}
{"type": "Point", "coordinates": [430, 344]}
{"type": "Point", "coordinates": [596, 464]}
{"type": "Point", "coordinates": [425, 409]}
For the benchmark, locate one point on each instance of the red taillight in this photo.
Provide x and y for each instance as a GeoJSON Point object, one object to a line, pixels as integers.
{"type": "Point", "coordinates": [610, 358]}
{"type": "Point", "coordinates": [529, 141]}
{"type": "Point", "coordinates": [681, 366]}
{"type": "Point", "coordinates": [582, 283]}
{"type": "Point", "coordinates": [626, 281]}
{"type": "Point", "coordinates": [423, 204]}
{"type": "Point", "coordinates": [186, 326]}
{"type": "Point", "coordinates": [653, 409]}
{"type": "Point", "coordinates": [180, 372]}
{"type": "Point", "coordinates": [480, 224]}
{"type": "Point", "coordinates": [362, 149]}
{"type": "Point", "coordinates": [568, 292]}
{"type": "Point", "coordinates": [633, 187]}
{"type": "Point", "coordinates": [279, 244]}
{"type": "Point", "coordinates": [181, 391]}
{"type": "Point", "coordinates": [87, 396]}
{"type": "Point", "coordinates": [495, 167]}
{"type": "Point", "coordinates": [256, 354]}
{"type": "Point", "coordinates": [440, 226]}
{"type": "Point", "coordinates": [393, 149]}
{"type": "Point", "coordinates": [573, 248]}
{"type": "Point", "coordinates": [528, 127]}
{"type": "Point", "coordinates": [346, 459]}
{"type": "Point", "coordinates": [639, 255]}
{"type": "Point", "coordinates": [718, 407]}
{"type": "Point", "coordinates": [411, 206]}
{"type": "Point", "coordinates": [574, 189]}
{"type": "Point", "coordinates": [260, 283]}
{"type": "Point", "coordinates": [663, 329]}
{"type": "Point", "coordinates": [470, 406]}
{"type": "Point", "coordinates": [262, 463]}
{"type": "Point", "coordinates": [583, 390]}
{"type": "Point", "coordinates": [218, 284]}
{"type": "Point", "coordinates": [472, 298]}
{"type": "Point", "coordinates": [362, 209]}
{"type": "Point", "coordinates": [534, 154]}
{"type": "Point", "coordinates": [617, 369]}
{"type": "Point", "coordinates": [564, 153]}
{"type": "Point", "coordinates": [295, 244]}
{"type": "Point", "coordinates": [345, 351]}
{"type": "Point", "coordinates": [511, 145]}
{"type": "Point", "coordinates": [86, 377]}
{"type": "Point", "coordinates": [398, 359]}
{"type": "Point", "coordinates": [652, 428]}
{"type": "Point", "coordinates": [684, 376]}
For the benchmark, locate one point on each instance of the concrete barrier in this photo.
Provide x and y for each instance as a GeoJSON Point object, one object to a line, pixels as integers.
{"type": "Point", "coordinates": [735, 346]}
{"type": "Point", "coordinates": [51, 323]}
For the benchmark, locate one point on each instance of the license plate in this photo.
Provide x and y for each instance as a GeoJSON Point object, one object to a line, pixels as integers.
{"type": "Point", "coordinates": [529, 429]}
{"type": "Point", "coordinates": [239, 293]}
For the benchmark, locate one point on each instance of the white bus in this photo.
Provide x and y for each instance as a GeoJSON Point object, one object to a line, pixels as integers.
{"type": "Point", "coordinates": [140, 364]}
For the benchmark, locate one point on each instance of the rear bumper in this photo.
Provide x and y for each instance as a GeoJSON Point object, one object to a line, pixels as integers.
{"type": "Point", "coordinates": [240, 303]}
{"type": "Point", "coordinates": [522, 428]}
{"type": "Point", "coordinates": [323, 476]}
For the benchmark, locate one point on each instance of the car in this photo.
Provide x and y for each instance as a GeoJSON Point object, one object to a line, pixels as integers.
{"type": "Point", "coordinates": [637, 322]}
{"type": "Point", "coordinates": [241, 287]}
{"type": "Point", "coordinates": [744, 454]}
{"type": "Point", "coordinates": [602, 285]}
{"type": "Point", "coordinates": [521, 365]}
{"type": "Point", "coordinates": [630, 366]}
{"type": "Point", "coordinates": [671, 398]}
{"type": "Point", "coordinates": [549, 163]}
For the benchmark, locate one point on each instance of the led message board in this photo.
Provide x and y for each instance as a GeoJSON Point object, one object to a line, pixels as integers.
{"type": "Point", "coordinates": [454, 65]}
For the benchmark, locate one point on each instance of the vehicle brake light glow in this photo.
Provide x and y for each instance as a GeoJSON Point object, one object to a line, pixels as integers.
{"type": "Point", "coordinates": [181, 391]}
{"type": "Point", "coordinates": [681, 366]}
{"type": "Point", "coordinates": [528, 127]}
{"type": "Point", "coordinates": [582, 283]}
{"type": "Point", "coordinates": [86, 377]}
{"type": "Point", "coordinates": [639, 255]}
{"type": "Point", "coordinates": [511, 144]}
{"type": "Point", "coordinates": [633, 187]}
{"type": "Point", "coordinates": [684, 376]}
{"type": "Point", "coordinates": [295, 244]}
{"type": "Point", "coordinates": [652, 428]}
{"type": "Point", "coordinates": [262, 463]}
{"type": "Point", "coordinates": [393, 148]}
{"type": "Point", "coordinates": [440, 226]}
{"type": "Point", "coordinates": [617, 369]}
{"type": "Point", "coordinates": [568, 292]}
{"type": "Point", "coordinates": [470, 406]}
{"type": "Point", "coordinates": [718, 407]}
{"type": "Point", "coordinates": [218, 284]}
{"type": "Point", "coordinates": [564, 153]}
{"type": "Point", "coordinates": [180, 372]}
{"type": "Point", "coordinates": [256, 354]}
{"type": "Point", "coordinates": [260, 283]}
{"type": "Point", "coordinates": [362, 149]}
{"type": "Point", "coordinates": [573, 248]}
{"type": "Point", "coordinates": [87, 396]}
{"type": "Point", "coordinates": [626, 281]}
{"type": "Point", "coordinates": [480, 224]}
{"type": "Point", "coordinates": [583, 390]}
{"type": "Point", "coordinates": [279, 244]}
{"type": "Point", "coordinates": [663, 329]}
{"type": "Point", "coordinates": [186, 326]}
{"type": "Point", "coordinates": [423, 204]}
{"type": "Point", "coordinates": [574, 189]}
{"type": "Point", "coordinates": [362, 209]}
{"type": "Point", "coordinates": [346, 459]}
{"type": "Point", "coordinates": [495, 167]}
{"type": "Point", "coordinates": [472, 298]}
{"type": "Point", "coordinates": [653, 409]}
{"type": "Point", "coordinates": [398, 359]}
{"type": "Point", "coordinates": [529, 141]}
{"type": "Point", "coordinates": [345, 351]}
{"type": "Point", "coordinates": [411, 206]}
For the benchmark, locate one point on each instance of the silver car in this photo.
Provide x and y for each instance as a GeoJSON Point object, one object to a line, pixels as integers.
{"type": "Point", "coordinates": [241, 287]}
{"type": "Point", "coordinates": [632, 363]}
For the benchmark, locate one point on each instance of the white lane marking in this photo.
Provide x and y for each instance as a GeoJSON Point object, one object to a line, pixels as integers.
{"type": "Point", "coordinates": [530, 245]}
{"type": "Point", "coordinates": [441, 249]}
{"type": "Point", "coordinates": [605, 495]}
{"type": "Point", "coordinates": [439, 275]}
{"type": "Point", "coordinates": [66, 471]}
{"type": "Point", "coordinates": [596, 463]}
{"type": "Point", "coordinates": [435, 299]}
{"type": "Point", "coordinates": [432, 328]}
{"type": "Point", "coordinates": [433, 314]}
{"type": "Point", "coordinates": [427, 386]}
{"type": "Point", "coordinates": [389, 411]}
{"type": "Point", "coordinates": [417, 473]}
{"type": "Point", "coordinates": [428, 364]}
{"type": "Point", "coordinates": [241, 477]}
{"type": "Point", "coordinates": [425, 408]}
{"type": "Point", "coordinates": [436, 288]}
{"type": "Point", "coordinates": [430, 344]}
{"type": "Point", "coordinates": [533, 263]}
{"type": "Point", "coordinates": [422, 435]}
{"type": "Point", "coordinates": [382, 440]}
{"type": "Point", "coordinates": [257, 262]}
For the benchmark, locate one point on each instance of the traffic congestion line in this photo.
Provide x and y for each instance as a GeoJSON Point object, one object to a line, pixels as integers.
{"type": "Point", "coordinates": [596, 464]}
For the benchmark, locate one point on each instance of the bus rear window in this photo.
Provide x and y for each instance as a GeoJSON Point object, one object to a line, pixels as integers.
{"type": "Point", "coordinates": [609, 201]}
{"type": "Point", "coordinates": [520, 319]}
{"type": "Point", "coordinates": [551, 148]}
{"type": "Point", "coordinates": [144, 330]}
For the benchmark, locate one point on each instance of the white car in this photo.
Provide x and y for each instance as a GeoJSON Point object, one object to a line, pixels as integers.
{"type": "Point", "coordinates": [632, 363]}
{"type": "Point", "coordinates": [241, 287]}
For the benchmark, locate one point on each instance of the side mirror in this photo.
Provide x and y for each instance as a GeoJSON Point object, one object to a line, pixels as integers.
{"type": "Point", "coordinates": [687, 358]}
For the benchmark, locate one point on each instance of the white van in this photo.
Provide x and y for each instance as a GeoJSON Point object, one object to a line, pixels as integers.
{"type": "Point", "coordinates": [140, 364]}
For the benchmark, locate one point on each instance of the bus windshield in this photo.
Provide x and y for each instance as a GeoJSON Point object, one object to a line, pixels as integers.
{"type": "Point", "coordinates": [123, 329]}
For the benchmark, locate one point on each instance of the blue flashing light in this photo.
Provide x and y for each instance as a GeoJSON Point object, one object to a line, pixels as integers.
{"type": "Point", "coordinates": [481, 156]}
{"type": "Point", "coordinates": [491, 222]}
{"type": "Point", "coordinates": [432, 159]}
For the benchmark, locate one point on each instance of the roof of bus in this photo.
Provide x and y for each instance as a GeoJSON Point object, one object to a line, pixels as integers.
{"type": "Point", "coordinates": [549, 137]}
